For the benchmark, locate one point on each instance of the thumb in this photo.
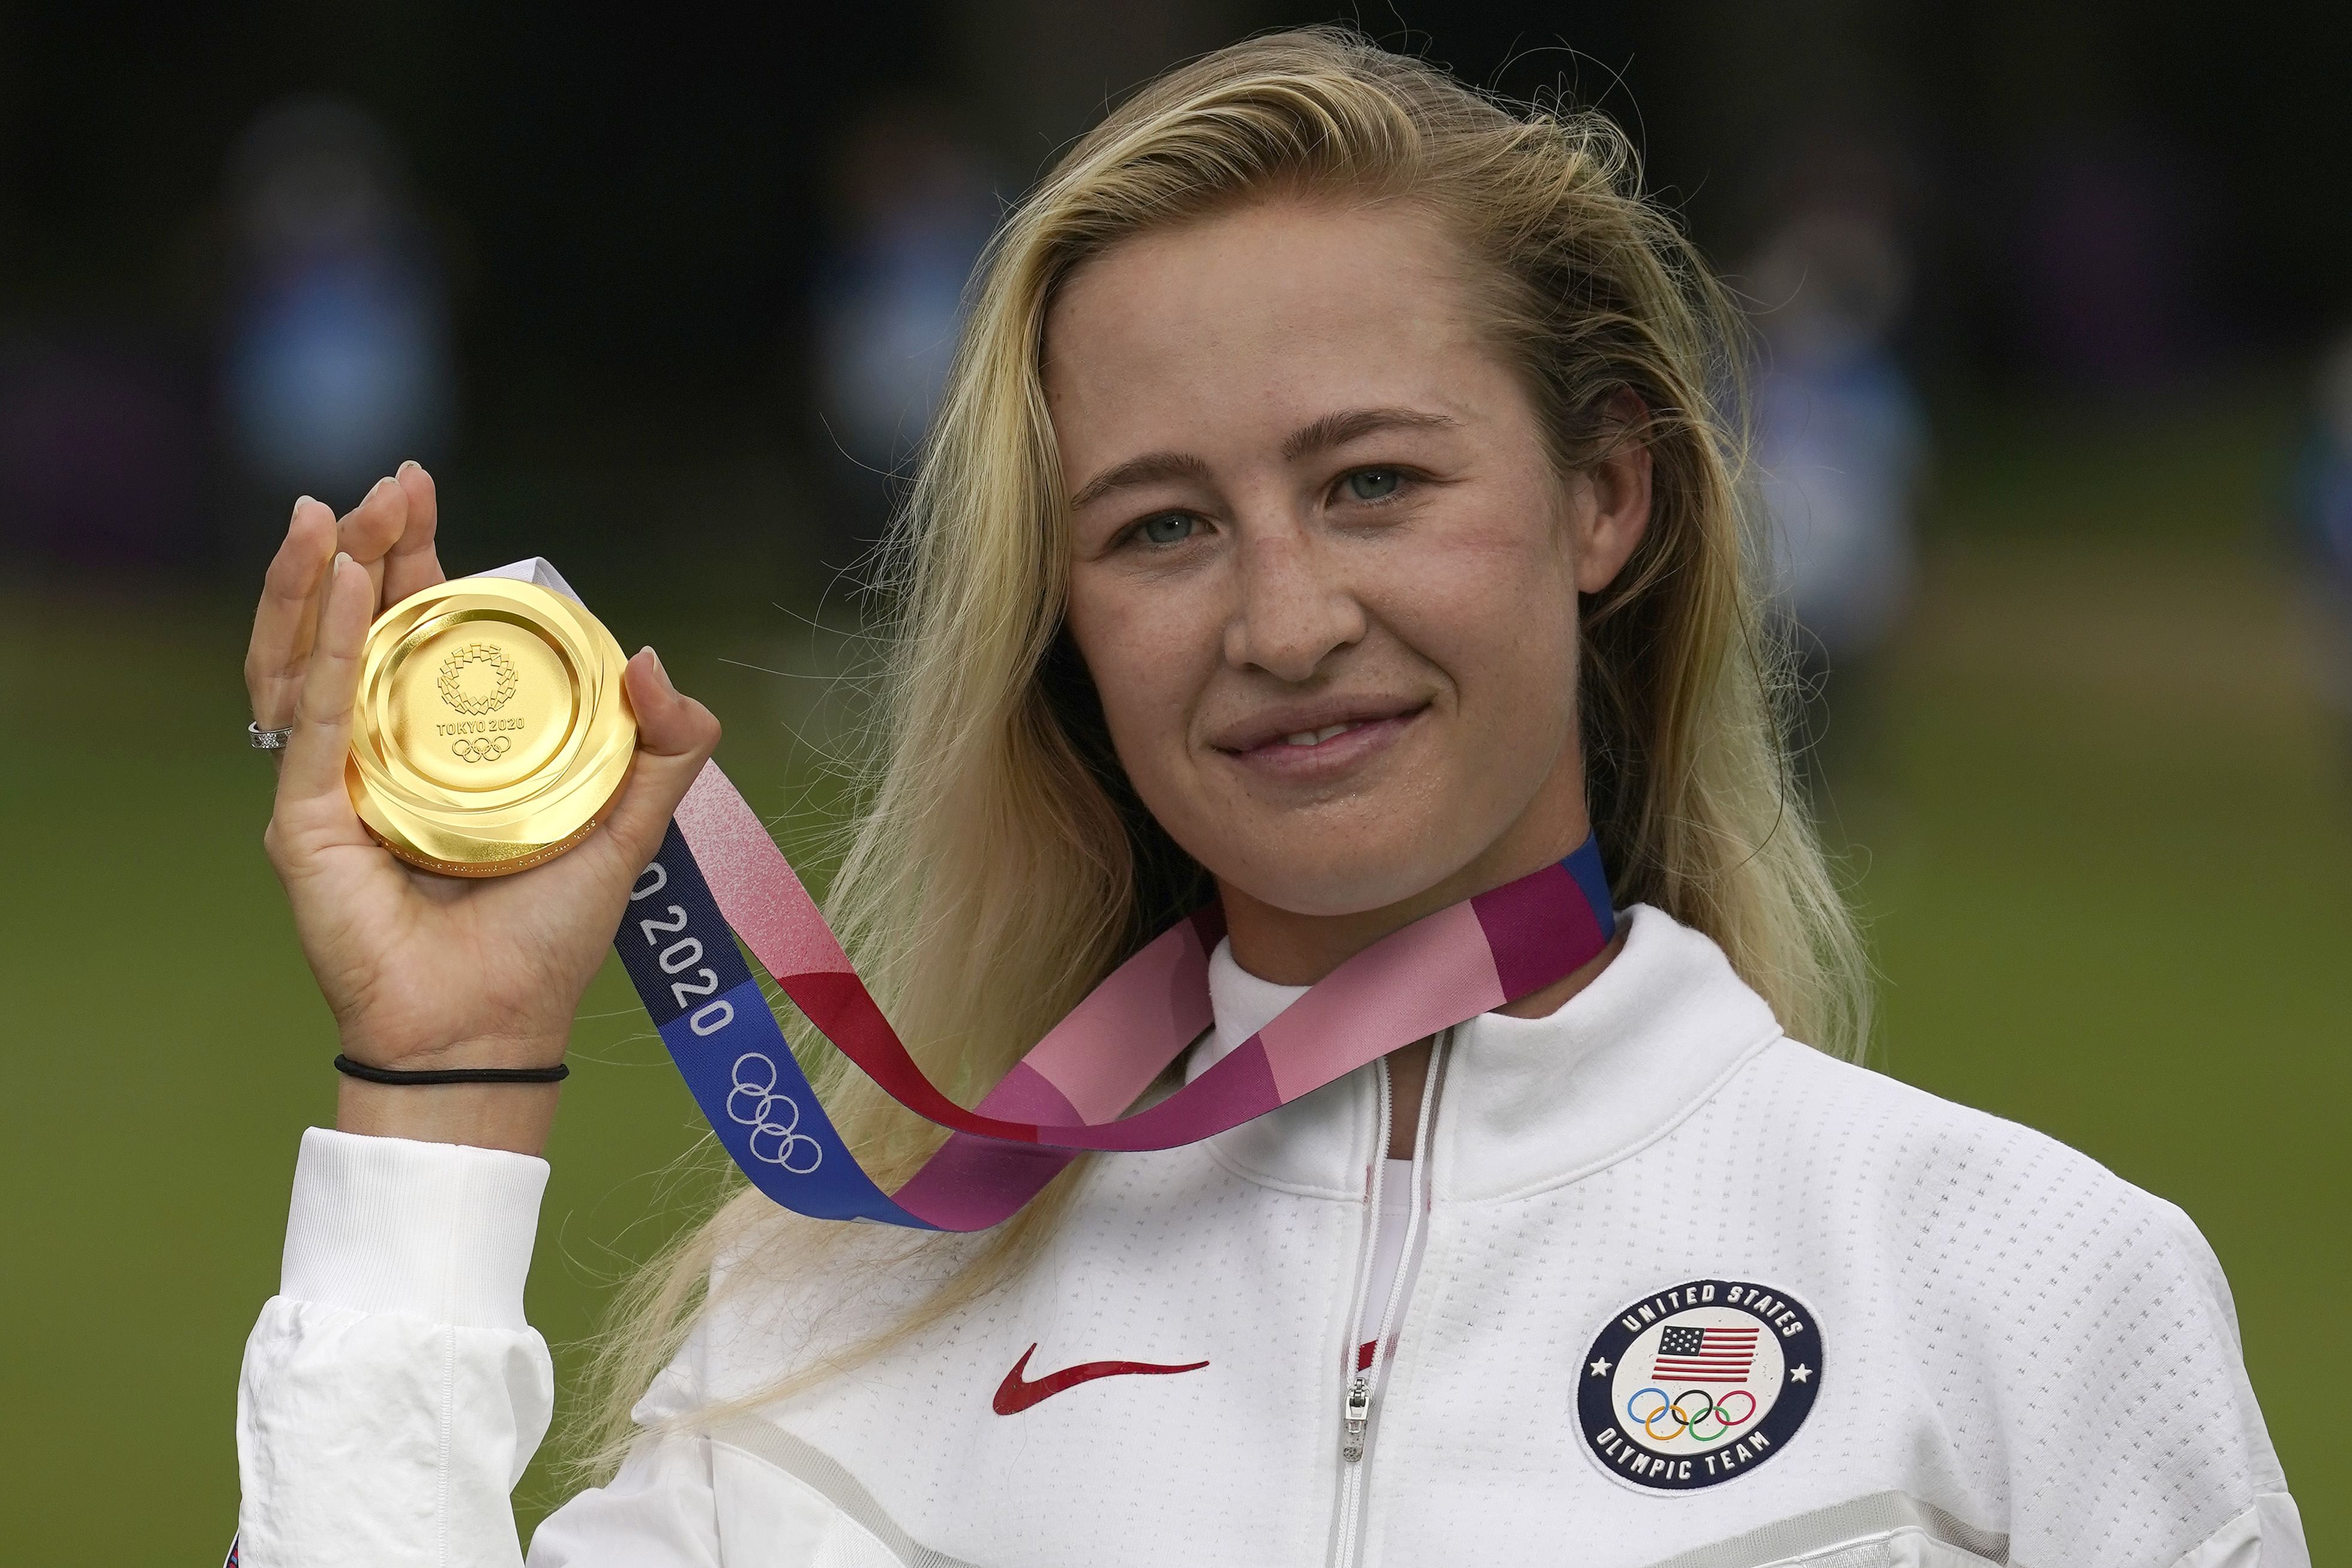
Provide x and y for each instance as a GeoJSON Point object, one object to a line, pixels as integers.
{"type": "Point", "coordinates": [676, 736]}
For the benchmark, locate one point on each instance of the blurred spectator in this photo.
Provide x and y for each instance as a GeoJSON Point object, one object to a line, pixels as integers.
{"type": "Point", "coordinates": [338, 361]}
{"type": "Point", "coordinates": [1842, 442]}
{"type": "Point", "coordinates": [915, 205]}
{"type": "Point", "coordinates": [2324, 529]}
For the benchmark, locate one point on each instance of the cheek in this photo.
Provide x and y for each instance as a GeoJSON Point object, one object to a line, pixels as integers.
{"type": "Point", "coordinates": [1141, 650]}
{"type": "Point", "coordinates": [1496, 608]}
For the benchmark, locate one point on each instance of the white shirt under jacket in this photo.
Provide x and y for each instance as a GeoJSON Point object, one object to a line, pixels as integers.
{"type": "Point", "coordinates": [2027, 1359]}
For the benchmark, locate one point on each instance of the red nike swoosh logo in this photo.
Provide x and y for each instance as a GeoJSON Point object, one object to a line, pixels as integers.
{"type": "Point", "coordinates": [1016, 1392]}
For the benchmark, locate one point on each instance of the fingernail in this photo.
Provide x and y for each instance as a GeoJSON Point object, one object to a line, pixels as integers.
{"type": "Point", "coordinates": [659, 668]}
{"type": "Point", "coordinates": [300, 502]}
{"type": "Point", "coordinates": [406, 465]}
{"type": "Point", "coordinates": [342, 557]}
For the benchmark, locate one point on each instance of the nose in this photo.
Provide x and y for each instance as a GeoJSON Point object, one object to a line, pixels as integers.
{"type": "Point", "coordinates": [1293, 611]}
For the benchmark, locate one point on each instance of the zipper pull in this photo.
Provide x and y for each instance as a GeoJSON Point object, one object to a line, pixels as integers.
{"type": "Point", "coordinates": [1358, 1411]}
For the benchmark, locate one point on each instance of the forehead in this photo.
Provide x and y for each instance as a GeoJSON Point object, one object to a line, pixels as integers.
{"type": "Point", "coordinates": [1272, 315]}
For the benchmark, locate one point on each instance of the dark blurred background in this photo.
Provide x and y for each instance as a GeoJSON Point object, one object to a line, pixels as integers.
{"type": "Point", "coordinates": [2053, 391]}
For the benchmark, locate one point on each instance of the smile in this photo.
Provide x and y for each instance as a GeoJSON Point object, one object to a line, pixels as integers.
{"type": "Point", "coordinates": [1312, 747]}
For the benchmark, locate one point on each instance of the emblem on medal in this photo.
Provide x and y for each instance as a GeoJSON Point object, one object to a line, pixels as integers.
{"type": "Point", "coordinates": [492, 729]}
{"type": "Point", "coordinates": [1697, 1384]}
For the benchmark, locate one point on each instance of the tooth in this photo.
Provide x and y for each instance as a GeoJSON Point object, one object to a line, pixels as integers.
{"type": "Point", "coordinates": [1326, 733]}
{"type": "Point", "coordinates": [1304, 738]}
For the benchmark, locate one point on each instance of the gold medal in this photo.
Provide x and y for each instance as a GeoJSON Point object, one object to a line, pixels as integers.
{"type": "Point", "coordinates": [491, 727]}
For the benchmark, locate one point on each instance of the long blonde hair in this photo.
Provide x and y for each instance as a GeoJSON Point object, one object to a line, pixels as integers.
{"type": "Point", "coordinates": [1002, 866]}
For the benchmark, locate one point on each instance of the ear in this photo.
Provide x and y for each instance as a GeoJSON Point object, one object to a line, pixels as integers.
{"type": "Point", "coordinates": [1616, 510]}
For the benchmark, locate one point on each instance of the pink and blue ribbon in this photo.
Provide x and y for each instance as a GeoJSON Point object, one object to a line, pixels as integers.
{"type": "Point", "coordinates": [720, 876]}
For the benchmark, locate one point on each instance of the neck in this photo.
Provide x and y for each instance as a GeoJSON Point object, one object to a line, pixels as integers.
{"type": "Point", "coordinates": [1295, 949]}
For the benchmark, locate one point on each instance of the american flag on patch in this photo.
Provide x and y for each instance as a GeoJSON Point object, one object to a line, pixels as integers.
{"type": "Point", "coordinates": [1705, 1355]}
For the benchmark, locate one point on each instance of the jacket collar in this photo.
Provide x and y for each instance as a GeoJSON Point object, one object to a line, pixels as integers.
{"type": "Point", "coordinates": [1525, 1104]}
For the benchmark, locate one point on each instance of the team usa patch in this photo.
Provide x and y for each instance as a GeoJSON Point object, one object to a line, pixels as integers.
{"type": "Point", "coordinates": [1699, 1383]}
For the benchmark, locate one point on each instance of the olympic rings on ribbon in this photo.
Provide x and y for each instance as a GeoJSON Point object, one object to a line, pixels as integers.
{"type": "Point", "coordinates": [1672, 1405]}
{"type": "Point", "coordinates": [752, 1101]}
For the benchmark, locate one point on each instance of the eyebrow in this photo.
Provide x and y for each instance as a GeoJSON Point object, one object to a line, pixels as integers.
{"type": "Point", "coordinates": [1331, 430]}
{"type": "Point", "coordinates": [1151, 468]}
{"type": "Point", "coordinates": [1339, 429]}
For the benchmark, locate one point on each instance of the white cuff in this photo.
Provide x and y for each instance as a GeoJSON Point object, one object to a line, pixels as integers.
{"type": "Point", "coordinates": [2267, 1535]}
{"type": "Point", "coordinates": [439, 1231]}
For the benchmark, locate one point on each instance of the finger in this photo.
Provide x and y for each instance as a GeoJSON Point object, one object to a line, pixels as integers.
{"type": "Point", "coordinates": [312, 779]}
{"type": "Point", "coordinates": [412, 563]}
{"type": "Point", "coordinates": [370, 529]}
{"type": "Point", "coordinates": [676, 736]}
{"type": "Point", "coordinates": [284, 622]}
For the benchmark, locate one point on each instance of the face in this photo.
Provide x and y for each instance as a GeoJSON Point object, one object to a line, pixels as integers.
{"type": "Point", "coordinates": [1324, 574]}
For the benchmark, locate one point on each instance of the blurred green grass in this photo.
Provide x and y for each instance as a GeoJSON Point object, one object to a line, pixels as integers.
{"type": "Point", "coordinates": [2101, 836]}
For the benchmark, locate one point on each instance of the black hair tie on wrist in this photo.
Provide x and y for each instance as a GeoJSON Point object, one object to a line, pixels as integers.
{"type": "Point", "coordinates": [430, 1075]}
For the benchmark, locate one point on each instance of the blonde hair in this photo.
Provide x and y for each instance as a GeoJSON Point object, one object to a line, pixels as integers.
{"type": "Point", "coordinates": [1003, 867]}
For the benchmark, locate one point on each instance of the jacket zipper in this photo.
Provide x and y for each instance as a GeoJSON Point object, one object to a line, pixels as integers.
{"type": "Point", "coordinates": [1358, 1396]}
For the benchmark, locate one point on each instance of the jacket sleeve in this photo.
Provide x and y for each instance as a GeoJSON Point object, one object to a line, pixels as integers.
{"type": "Point", "coordinates": [2151, 1450]}
{"type": "Point", "coordinates": [391, 1391]}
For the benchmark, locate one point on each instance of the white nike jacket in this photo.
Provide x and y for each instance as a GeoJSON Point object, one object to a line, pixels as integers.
{"type": "Point", "coordinates": [1674, 1290]}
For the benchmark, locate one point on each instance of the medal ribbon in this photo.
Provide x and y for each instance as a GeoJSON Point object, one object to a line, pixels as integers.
{"type": "Point", "coordinates": [720, 876]}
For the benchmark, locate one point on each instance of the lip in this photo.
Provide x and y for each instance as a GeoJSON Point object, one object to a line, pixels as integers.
{"type": "Point", "coordinates": [1376, 724]}
{"type": "Point", "coordinates": [1269, 727]}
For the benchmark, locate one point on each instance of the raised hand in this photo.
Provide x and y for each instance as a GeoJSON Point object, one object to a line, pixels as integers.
{"type": "Point", "coordinates": [423, 970]}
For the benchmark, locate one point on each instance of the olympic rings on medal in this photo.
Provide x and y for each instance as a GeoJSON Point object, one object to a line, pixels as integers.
{"type": "Point", "coordinates": [481, 748]}
{"type": "Point", "coordinates": [752, 1104]}
{"type": "Point", "coordinates": [1689, 1420]}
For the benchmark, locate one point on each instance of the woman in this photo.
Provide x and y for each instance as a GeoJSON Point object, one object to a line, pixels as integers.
{"type": "Point", "coordinates": [1327, 513]}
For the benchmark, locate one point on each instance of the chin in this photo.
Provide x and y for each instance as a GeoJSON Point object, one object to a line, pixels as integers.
{"type": "Point", "coordinates": [1345, 878]}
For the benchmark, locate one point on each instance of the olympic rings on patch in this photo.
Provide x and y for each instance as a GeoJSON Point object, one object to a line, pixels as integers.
{"type": "Point", "coordinates": [481, 748]}
{"type": "Point", "coordinates": [1663, 1407]}
{"type": "Point", "coordinates": [1670, 1407]}
{"type": "Point", "coordinates": [752, 1104]}
{"type": "Point", "coordinates": [1714, 1409]}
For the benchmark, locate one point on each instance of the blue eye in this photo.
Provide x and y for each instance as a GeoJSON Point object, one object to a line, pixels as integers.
{"type": "Point", "coordinates": [1373, 483]}
{"type": "Point", "coordinates": [1167, 528]}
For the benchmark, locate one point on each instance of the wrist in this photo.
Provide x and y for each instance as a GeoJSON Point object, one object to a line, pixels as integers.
{"type": "Point", "coordinates": [425, 1076]}
{"type": "Point", "coordinates": [513, 1117]}
{"type": "Point", "coordinates": [398, 1052]}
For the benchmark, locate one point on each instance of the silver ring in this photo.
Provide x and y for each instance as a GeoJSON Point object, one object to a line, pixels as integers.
{"type": "Point", "coordinates": [267, 739]}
